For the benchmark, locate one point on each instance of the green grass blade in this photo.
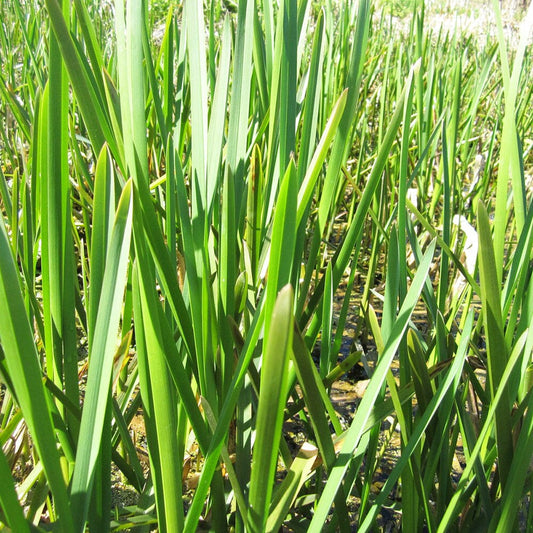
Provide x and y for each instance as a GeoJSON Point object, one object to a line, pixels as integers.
{"type": "Point", "coordinates": [91, 41]}
{"type": "Point", "coordinates": [25, 373]}
{"type": "Point", "coordinates": [309, 181]}
{"type": "Point", "coordinates": [274, 377]}
{"type": "Point", "coordinates": [239, 494]}
{"type": "Point", "coordinates": [312, 97]}
{"type": "Point", "coordinates": [358, 424]}
{"type": "Point", "coordinates": [215, 134]}
{"type": "Point", "coordinates": [12, 513]}
{"type": "Point", "coordinates": [327, 322]}
{"type": "Point", "coordinates": [283, 241]}
{"type": "Point", "coordinates": [166, 469]}
{"type": "Point", "coordinates": [458, 499]}
{"type": "Point", "coordinates": [392, 286]}
{"type": "Point", "coordinates": [423, 423]}
{"type": "Point", "coordinates": [254, 205]}
{"type": "Point", "coordinates": [342, 140]}
{"type": "Point", "coordinates": [510, 165]}
{"type": "Point", "coordinates": [496, 348]}
{"type": "Point", "coordinates": [515, 283]}
{"type": "Point", "coordinates": [316, 399]}
{"type": "Point", "coordinates": [21, 115]}
{"type": "Point", "coordinates": [419, 371]}
{"type": "Point", "coordinates": [177, 370]}
{"type": "Point", "coordinates": [240, 92]}
{"type": "Point", "coordinates": [342, 258]}
{"type": "Point", "coordinates": [86, 93]}
{"type": "Point", "coordinates": [236, 151]}
{"type": "Point", "coordinates": [131, 83]}
{"type": "Point", "coordinates": [103, 214]}
{"type": "Point", "coordinates": [520, 467]}
{"type": "Point", "coordinates": [287, 491]}
{"type": "Point", "coordinates": [198, 76]}
{"type": "Point", "coordinates": [226, 413]}
{"type": "Point", "coordinates": [103, 350]}
{"type": "Point", "coordinates": [57, 248]}
{"type": "Point", "coordinates": [287, 32]}
{"type": "Point", "coordinates": [166, 270]}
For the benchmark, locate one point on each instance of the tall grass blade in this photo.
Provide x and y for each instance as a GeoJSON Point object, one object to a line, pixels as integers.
{"type": "Point", "coordinates": [103, 350]}
{"type": "Point", "coordinates": [496, 348]}
{"type": "Point", "coordinates": [283, 242]}
{"type": "Point", "coordinates": [274, 378]}
{"type": "Point", "coordinates": [510, 168]}
{"type": "Point", "coordinates": [159, 397]}
{"type": "Point", "coordinates": [25, 373]}
{"type": "Point", "coordinates": [87, 95]}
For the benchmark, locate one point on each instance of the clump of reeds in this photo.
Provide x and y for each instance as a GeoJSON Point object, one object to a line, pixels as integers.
{"type": "Point", "coordinates": [177, 222]}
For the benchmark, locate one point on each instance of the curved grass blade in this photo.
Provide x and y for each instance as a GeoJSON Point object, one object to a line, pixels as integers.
{"type": "Point", "coordinates": [309, 181]}
{"type": "Point", "coordinates": [342, 257]}
{"type": "Point", "coordinates": [316, 398]}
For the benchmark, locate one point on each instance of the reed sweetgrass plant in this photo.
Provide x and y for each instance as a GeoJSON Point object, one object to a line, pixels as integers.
{"type": "Point", "coordinates": [179, 217]}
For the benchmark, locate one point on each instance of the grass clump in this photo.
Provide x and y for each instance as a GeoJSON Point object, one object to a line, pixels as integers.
{"type": "Point", "coordinates": [193, 218]}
